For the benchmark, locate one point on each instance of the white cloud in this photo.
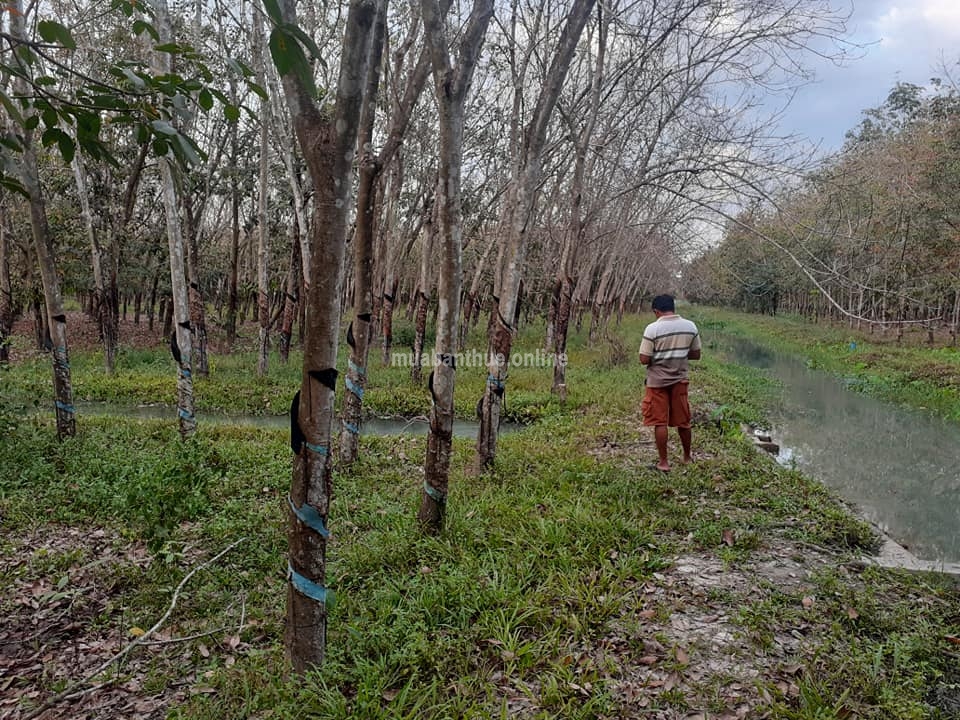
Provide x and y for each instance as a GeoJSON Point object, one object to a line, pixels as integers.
{"type": "Point", "coordinates": [943, 14]}
{"type": "Point", "coordinates": [918, 25]}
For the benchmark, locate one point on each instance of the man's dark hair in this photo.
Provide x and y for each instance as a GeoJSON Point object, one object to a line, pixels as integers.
{"type": "Point", "coordinates": [663, 303]}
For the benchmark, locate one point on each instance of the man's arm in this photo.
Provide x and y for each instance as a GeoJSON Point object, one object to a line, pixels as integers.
{"type": "Point", "coordinates": [645, 359]}
{"type": "Point", "coordinates": [691, 355]}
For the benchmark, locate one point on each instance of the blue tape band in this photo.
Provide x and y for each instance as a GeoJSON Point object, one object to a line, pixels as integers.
{"type": "Point", "coordinates": [357, 368]}
{"type": "Point", "coordinates": [351, 428]}
{"type": "Point", "coordinates": [185, 372]}
{"type": "Point", "coordinates": [307, 587]}
{"type": "Point", "coordinates": [354, 388]}
{"type": "Point", "coordinates": [61, 349]}
{"type": "Point", "coordinates": [493, 380]}
{"type": "Point", "coordinates": [185, 414]}
{"type": "Point", "coordinates": [66, 407]}
{"type": "Point", "coordinates": [318, 449]}
{"type": "Point", "coordinates": [434, 493]}
{"type": "Point", "coordinates": [308, 515]}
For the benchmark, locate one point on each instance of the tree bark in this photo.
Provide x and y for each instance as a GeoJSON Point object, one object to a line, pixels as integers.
{"type": "Point", "coordinates": [181, 342]}
{"type": "Point", "coordinates": [517, 216]}
{"type": "Point", "coordinates": [43, 244]}
{"type": "Point", "coordinates": [370, 167]}
{"type": "Point", "coordinates": [450, 89]}
{"type": "Point", "coordinates": [328, 142]}
{"type": "Point", "coordinates": [6, 289]}
{"type": "Point", "coordinates": [104, 308]}
{"type": "Point", "coordinates": [424, 290]}
{"type": "Point", "coordinates": [292, 295]}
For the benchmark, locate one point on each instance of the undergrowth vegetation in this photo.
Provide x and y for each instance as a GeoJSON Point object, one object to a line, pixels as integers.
{"type": "Point", "coordinates": [552, 593]}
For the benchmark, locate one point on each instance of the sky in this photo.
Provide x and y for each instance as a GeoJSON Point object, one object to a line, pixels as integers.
{"type": "Point", "coordinates": [901, 40]}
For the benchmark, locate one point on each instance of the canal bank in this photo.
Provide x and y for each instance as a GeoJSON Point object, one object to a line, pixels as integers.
{"type": "Point", "coordinates": [896, 465]}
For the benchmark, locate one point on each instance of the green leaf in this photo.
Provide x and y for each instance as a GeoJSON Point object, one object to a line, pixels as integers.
{"type": "Point", "coordinates": [143, 133]}
{"type": "Point", "coordinates": [68, 148]}
{"type": "Point", "coordinates": [133, 78]}
{"type": "Point", "coordinates": [64, 142]}
{"type": "Point", "coordinates": [273, 11]}
{"type": "Point", "coordinates": [239, 68]}
{"type": "Point", "coordinates": [162, 127]}
{"type": "Point", "coordinates": [205, 99]}
{"type": "Point", "coordinates": [307, 42]}
{"type": "Point", "coordinates": [289, 58]}
{"type": "Point", "coordinates": [231, 113]}
{"type": "Point", "coordinates": [11, 142]}
{"type": "Point", "coordinates": [26, 55]}
{"type": "Point", "coordinates": [54, 32]}
{"type": "Point", "coordinates": [14, 185]}
{"type": "Point", "coordinates": [160, 146]}
{"type": "Point", "coordinates": [258, 90]}
{"type": "Point", "coordinates": [32, 122]}
{"type": "Point", "coordinates": [172, 48]}
{"type": "Point", "coordinates": [185, 150]}
{"type": "Point", "coordinates": [11, 108]}
{"type": "Point", "coordinates": [142, 26]}
{"type": "Point", "coordinates": [50, 118]}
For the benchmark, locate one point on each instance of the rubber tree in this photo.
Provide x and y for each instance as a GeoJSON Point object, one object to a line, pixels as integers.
{"type": "Point", "coordinates": [451, 84]}
{"type": "Point", "coordinates": [372, 167]}
{"type": "Point", "coordinates": [424, 291]}
{"type": "Point", "coordinates": [181, 341]}
{"type": "Point", "coordinates": [263, 195]}
{"type": "Point", "coordinates": [43, 245]}
{"type": "Point", "coordinates": [6, 289]}
{"type": "Point", "coordinates": [103, 289]}
{"type": "Point", "coordinates": [516, 218]}
{"type": "Point", "coordinates": [573, 237]}
{"type": "Point", "coordinates": [327, 134]}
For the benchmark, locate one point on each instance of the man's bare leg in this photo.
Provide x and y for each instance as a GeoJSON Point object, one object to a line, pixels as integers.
{"type": "Point", "coordinates": [660, 435]}
{"type": "Point", "coordinates": [686, 437]}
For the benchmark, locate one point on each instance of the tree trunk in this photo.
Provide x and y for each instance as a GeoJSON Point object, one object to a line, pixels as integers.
{"type": "Point", "coordinates": [6, 289]}
{"type": "Point", "coordinates": [473, 304]}
{"type": "Point", "coordinates": [231, 320]}
{"type": "Point", "coordinates": [103, 309]}
{"type": "Point", "coordinates": [328, 142]}
{"type": "Point", "coordinates": [292, 295]}
{"type": "Point", "coordinates": [370, 166]}
{"type": "Point", "coordinates": [198, 312]}
{"type": "Point", "coordinates": [43, 243]}
{"type": "Point", "coordinates": [181, 342]}
{"type": "Point", "coordinates": [424, 290]}
{"type": "Point", "coordinates": [263, 234]}
{"type": "Point", "coordinates": [518, 214]}
{"type": "Point", "coordinates": [450, 88]}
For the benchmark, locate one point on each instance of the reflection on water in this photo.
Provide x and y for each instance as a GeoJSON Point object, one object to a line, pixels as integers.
{"type": "Point", "coordinates": [370, 426]}
{"type": "Point", "coordinates": [900, 467]}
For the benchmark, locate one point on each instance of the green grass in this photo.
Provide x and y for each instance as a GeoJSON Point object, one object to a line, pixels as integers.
{"type": "Point", "coordinates": [543, 559]}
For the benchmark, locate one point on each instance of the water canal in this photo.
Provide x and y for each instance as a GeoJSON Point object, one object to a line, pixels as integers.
{"type": "Point", "coordinates": [900, 467]}
{"type": "Point", "coordinates": [370, 426]}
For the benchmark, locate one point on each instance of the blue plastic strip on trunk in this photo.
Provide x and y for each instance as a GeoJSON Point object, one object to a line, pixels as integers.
{"type": "Point", "coordinates": [309, 516]}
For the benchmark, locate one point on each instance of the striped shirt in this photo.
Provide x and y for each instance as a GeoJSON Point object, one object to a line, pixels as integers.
{"type": "Point", "coordinates": [667, 341]}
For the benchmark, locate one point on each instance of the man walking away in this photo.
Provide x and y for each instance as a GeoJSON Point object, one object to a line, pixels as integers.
{"type": "Point", "coordinates": [668, 343]}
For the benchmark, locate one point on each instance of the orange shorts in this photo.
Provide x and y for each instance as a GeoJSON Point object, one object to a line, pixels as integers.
{"type": "Point", "coordinates": [666, 406]}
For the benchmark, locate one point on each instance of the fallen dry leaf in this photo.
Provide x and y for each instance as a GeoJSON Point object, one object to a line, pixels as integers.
{"type": "Point", "coordinates": [729, 538]}
{"type": "Point", "coordinates": [852, 613]}
{"type": "Point", "coordinates": [682, 656]}
{"type": "Point", "coordinates": [807, 602]}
